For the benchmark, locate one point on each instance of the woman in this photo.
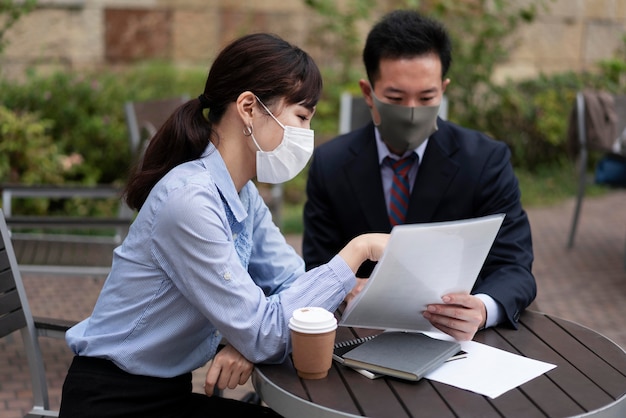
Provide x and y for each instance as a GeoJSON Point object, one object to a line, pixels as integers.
{"type": "Point", "coordinates": [203, 260]}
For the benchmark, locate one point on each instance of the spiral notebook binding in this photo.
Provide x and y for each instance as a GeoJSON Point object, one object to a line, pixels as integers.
{"type": "Point", "coordinates": [355, 341]}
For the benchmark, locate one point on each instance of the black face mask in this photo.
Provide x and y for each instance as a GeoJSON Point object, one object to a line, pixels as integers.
{"type": "Point", "coordinates": [405, 127]}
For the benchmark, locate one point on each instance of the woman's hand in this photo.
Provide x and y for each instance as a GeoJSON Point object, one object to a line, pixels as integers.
{"type": "Point", "coordinates": [227, 370]}
{"type": "Point", "coordinates": [362, 248]}
{"type": "Point", "coordinates": [360, 283]}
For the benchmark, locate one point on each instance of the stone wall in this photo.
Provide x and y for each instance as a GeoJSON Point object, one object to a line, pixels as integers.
{"type": "Point", "coordinates": [572, 35]}
{"type": "Point", "coordinates": [77, 34]}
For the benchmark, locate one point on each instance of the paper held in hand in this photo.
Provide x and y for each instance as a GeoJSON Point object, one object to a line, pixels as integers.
{"type": "Point", "coordinates": [422, 262]}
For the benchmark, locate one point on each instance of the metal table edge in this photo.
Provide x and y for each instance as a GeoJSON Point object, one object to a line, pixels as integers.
{"type": "Point", "coordinates": [287, 404]}
{"type": "Point", "coordinates": [616, 409]}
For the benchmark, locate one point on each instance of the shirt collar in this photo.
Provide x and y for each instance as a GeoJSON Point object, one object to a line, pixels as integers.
{"type": "Point", "coordinates": [383, 151]}
{"type": "Point", "coordinates": [212, 160]}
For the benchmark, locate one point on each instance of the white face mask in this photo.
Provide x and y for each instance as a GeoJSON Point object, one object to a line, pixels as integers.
{"type": "Point", "coordinates": [288, 158]}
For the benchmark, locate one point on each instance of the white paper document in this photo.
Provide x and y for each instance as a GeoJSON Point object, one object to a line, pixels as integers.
{"type": "Point", "coordinates": [487, 370]}
{"type": "Point", "coordinates": [421, 263]}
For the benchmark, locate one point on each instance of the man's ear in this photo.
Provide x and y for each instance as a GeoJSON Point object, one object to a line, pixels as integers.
{"type": "Point", "coordinates": [366, 89]}
{"type": "Point", "coordinates": [444, 84]}
{"type": "Point", "coordinates": [246, 106]}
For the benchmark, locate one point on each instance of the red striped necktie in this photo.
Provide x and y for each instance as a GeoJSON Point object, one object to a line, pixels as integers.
{"type": "Point", "coordinates": [399, 196]}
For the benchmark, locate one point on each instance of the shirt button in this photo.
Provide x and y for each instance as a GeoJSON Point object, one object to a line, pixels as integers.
{"type": "Point", "coordinates": [235, 235]}
{"type": "Point", "coordinates": [227, 276]}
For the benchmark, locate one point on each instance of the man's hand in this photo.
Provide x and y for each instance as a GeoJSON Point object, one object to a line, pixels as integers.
{"type": "Point", "coordinates": [460, 315]}
{"type": "Point", "coordinates": [227, 370]}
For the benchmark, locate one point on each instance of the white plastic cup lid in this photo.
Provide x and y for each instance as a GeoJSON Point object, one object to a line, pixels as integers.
{"type": "Point", "coordinates": [312, 320]}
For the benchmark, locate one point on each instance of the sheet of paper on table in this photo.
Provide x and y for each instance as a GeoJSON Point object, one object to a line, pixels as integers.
{"type": "Point", "coordinates": [487, 370]}
{"type": "Point", "coordinates": [422, 262]}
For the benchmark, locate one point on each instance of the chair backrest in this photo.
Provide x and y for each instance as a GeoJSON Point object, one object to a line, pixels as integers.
{"type": "Point", "coordinates": [15, 314]}
{"type": "Point", "coordinates": [354, 113]}
{"type": "Point", "coordinates": [620, 111]}
{"type": "Point", "coordinates": [145, 118]}
{"type": "Point", "coordinates": [596, 121]}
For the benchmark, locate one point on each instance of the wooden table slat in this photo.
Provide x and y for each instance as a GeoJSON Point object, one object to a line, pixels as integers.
{"type": "Point", "coordinates": [516, 403]}
{"type": "Point", "coordinates": [546, 395]}
{"type": "Point", "coordinates": [578, 387]}
{"type": "Point", "coordinates": [373, 399]}
{"type": "Point", "coordinates": [462, 401]}
{"type": "Point", "coordinates": [611, 353]}
{"type": "Point", "coordinates": [422, 397]}
{"type": "Point", "coordinates": [592, 366]}
{"type": "Point", "coordinates": [331, 392]}
{"type": "Point", "coordinates": [284, 375]}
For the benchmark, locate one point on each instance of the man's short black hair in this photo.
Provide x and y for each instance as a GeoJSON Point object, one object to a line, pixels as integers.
{"type": "Point", "coordinates": [406, 34]}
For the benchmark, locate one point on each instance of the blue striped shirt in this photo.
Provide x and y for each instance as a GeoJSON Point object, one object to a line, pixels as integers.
{"type": "Point", "coordinates": [202, 262]}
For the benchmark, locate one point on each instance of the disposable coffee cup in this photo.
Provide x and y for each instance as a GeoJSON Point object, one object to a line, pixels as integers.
{"type": "Point", "coordinates": [313, 337]}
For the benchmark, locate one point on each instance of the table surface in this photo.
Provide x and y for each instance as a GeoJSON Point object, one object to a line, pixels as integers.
{"type": "Point", "coordinates": [590, 379]}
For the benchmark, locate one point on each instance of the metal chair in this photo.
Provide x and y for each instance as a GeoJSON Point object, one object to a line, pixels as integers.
{"type": "Point", "coordinates": [144, 118]}
{"type": "Point", "coordinates": [591, 137]}
{"type": "Point", "coordinates": [15, 315]}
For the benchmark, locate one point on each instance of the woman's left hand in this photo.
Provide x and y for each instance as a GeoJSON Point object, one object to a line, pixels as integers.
{"type": "Point", "coordinates": [227, 370]}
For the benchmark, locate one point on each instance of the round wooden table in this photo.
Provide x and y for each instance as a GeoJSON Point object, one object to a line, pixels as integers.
{"type": "Point", "coordinates": [589, 380]}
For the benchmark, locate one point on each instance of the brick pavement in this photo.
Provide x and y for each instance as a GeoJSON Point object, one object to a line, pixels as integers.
{"type": "Point", "coordinates": [586, 284]}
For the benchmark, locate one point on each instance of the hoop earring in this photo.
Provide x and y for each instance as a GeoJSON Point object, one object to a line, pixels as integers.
{"type": "Point", "coordinates": [247, 131]}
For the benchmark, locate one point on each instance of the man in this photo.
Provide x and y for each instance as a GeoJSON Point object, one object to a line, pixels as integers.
{"type": "Point", "coordinates": [451, 173]}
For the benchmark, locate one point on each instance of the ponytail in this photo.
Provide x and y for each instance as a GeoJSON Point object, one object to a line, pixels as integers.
{"type": "Point", "coordinates": [183, 137]}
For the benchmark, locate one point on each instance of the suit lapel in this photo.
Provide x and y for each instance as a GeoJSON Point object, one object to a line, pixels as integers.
{"type": "Point", "coordinates": [363, 174]}
{"type": "Point", "coordinates": [436, 171]}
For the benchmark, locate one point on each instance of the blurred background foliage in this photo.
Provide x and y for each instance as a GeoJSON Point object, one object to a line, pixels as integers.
{"type": "Point", "coordinates": [69, 127]}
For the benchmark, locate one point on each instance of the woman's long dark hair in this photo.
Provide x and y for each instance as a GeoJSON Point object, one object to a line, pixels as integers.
{"type": "Point", "coordinates": [261, 63]}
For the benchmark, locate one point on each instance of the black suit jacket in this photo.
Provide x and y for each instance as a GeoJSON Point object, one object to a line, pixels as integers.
{"type": "Point", "coordinates": [463, 174]}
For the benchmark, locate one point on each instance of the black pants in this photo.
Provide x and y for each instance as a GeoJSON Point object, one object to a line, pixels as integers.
{"type": "Point", "coordinates": [97, 388]}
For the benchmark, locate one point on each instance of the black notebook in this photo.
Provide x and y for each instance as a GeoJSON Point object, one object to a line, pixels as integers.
{"type": "Point", "coordinates": [406, 355]}
{"type": "Point", "coordinates": [343, 347]}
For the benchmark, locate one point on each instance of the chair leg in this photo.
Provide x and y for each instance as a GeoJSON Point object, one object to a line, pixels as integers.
{"type": "Point", "coordinates": [624, 257]}
{"type": "Point", "coordinates": [582, 183]}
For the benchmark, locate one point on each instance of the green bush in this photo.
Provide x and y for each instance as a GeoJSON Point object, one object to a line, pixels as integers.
{"type": "Point", "coordinates": [28, 156]}
{"type": "Point", "coordinates": [27, 152]}
{"type": "Point", "coordinates": [532, 116]}
{"type": "Point", "coordinates": [86, 112]}
{"type": "Point", "coordinates": [86, 119]}
{"type": "Point", "coordinates": [70, 128]}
